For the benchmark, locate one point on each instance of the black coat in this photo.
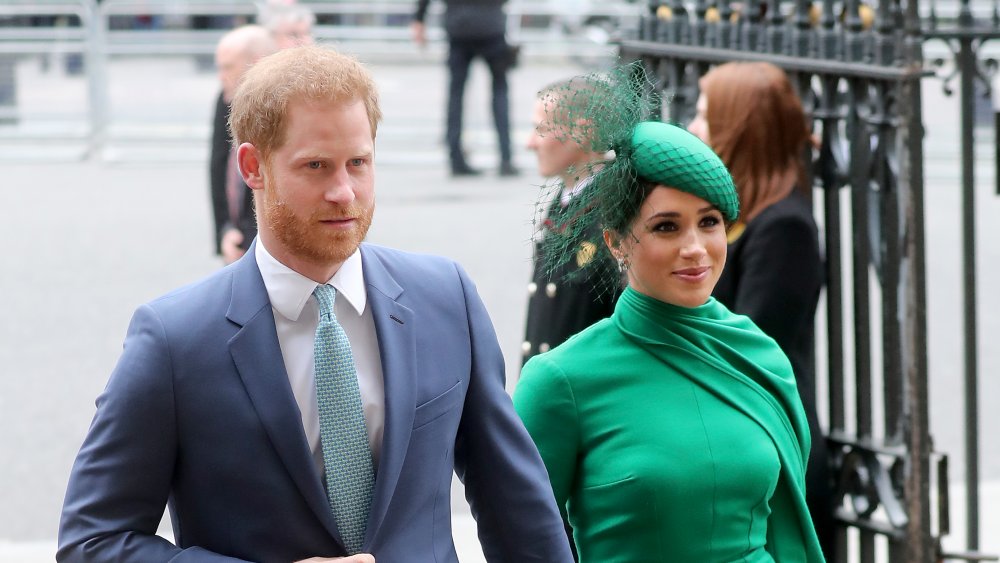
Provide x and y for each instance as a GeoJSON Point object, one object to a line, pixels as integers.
{"type": "Point", "coordinates": [469, 19]}
{"type": "Point", "coordinates": [773, 275]}
{"type": "Point", "coordinates": [222, 141]}
{"type": "Point", "coordinates": [568, 299]}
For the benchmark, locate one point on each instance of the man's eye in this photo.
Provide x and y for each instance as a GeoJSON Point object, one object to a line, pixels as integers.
{"type": "Point", "coordinates": [315, 165]}
{"type": "Point", "coordinates": [357, 161]}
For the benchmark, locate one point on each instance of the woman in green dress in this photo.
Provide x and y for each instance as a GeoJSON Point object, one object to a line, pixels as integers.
{"type": "Point", "coordinates": [671, 431]}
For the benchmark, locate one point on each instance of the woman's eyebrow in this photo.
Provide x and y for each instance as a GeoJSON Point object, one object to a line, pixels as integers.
{"type": "Point", "coordinates": [673, 214]}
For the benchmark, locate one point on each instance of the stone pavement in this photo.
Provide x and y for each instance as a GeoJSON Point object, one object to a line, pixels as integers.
{"type": "Point", "coordinates": [134, 223]}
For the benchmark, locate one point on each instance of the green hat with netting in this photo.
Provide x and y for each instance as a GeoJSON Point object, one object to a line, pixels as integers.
{"type": "Point", "coordinates": [611, 111]}
{"type": "Point", "coordinates": [669, 155]}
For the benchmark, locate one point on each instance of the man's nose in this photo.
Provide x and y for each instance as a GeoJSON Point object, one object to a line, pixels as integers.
{"type": "Point", "coordinates": [340, 188]}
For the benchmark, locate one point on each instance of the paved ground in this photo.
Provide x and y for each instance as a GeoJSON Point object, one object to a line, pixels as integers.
{"type": "Point", "coordinates": [86, 241]}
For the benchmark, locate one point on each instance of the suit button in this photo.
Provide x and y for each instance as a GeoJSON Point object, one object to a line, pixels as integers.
{"type": "Point", "coordinates": [526, 347]}
{"type": "Point", "coordinates": [532, 288]}
{"type": "Point", "coordinates": [550, 289]}
{"type": "Point", "coordinates": [543, 347]}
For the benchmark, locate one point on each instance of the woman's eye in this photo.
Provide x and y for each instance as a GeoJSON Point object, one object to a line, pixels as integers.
{"type": "Point", "coordinates": [664, 227]}
{"type": "Point", "coordinates": [710, 221]}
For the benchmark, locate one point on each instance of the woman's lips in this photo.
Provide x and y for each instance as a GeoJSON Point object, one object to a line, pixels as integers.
{"type": "Point", "coordinates": [693, 275]}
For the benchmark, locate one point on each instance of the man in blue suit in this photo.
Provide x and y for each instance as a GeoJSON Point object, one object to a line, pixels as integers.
{"type": "Point", "coordinates": [214, 410]}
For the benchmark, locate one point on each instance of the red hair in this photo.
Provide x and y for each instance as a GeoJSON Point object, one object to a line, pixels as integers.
{"type": "Point", "coordinates": [757, 126]}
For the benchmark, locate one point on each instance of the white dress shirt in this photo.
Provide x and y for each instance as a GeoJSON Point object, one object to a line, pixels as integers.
{"type": "Point", "coordinates": [566, 195]}
{"type": "Point", "coordinates": [296, 315]}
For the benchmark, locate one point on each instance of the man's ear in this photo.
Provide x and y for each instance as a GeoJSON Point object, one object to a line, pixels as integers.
{"type": "Point", "coordinates": [585, 133]}
{"type": "Point", "coordinates": [250, 161]}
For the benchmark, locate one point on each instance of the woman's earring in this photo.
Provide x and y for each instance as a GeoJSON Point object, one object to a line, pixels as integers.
{"type": "Point", "coordinates": [623, 264]}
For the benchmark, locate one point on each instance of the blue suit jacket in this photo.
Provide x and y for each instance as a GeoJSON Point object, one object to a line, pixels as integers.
{"type": "Point", "coordinates": [199, 415]}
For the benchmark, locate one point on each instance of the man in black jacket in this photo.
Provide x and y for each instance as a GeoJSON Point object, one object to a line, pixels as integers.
{"type": "Point", "coordinates": [232, 201]}
{"type": "Point", "coordinates": [475, 28]}
{"type": "Point", "coordinates": [567, 297]}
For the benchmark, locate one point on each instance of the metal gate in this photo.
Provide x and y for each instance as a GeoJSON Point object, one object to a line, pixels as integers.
{"type": "Point", "coordinates": [859, 69]}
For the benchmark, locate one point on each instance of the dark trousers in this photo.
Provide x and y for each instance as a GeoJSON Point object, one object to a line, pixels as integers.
{"type": "Point", "coordinates": [461, 52]}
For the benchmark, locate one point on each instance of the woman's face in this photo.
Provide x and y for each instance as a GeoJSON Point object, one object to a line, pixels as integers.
{"type": "Point", "coordinates": [699, 125]}
{"type": "Point", "coordinates": [675, 248]}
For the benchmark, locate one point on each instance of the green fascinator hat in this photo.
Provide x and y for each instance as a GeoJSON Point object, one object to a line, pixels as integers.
{"type": "Point", "coordinates": [612, 110]}
{"type": "Point", "coordinates": [669, 155]}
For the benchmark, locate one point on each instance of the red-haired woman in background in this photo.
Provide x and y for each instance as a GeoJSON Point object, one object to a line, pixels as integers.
{"type": "Point", "coordinates": [751, 116]}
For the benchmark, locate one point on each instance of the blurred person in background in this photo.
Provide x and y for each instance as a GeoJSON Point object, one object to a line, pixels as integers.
{"type": "Point", "coordinates": [749, 113]}
{"type": "Point", "coordinates": [563, 298]}
{"type": "Point", "coordinates": [475, 29]}
{"type": "Point", "coordinates": [232, 201]}
{"type": "Point", "coordinates": [290, 24]}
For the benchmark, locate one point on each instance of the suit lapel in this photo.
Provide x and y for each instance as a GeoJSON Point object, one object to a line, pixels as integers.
{"type": "Point", "coordinates": [394, 326]}
{"type": "Point", "coordinates": [257, 355]}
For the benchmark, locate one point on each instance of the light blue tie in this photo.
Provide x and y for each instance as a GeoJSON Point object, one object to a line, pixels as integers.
{"type": "Point", "coordinates": [350, 477]}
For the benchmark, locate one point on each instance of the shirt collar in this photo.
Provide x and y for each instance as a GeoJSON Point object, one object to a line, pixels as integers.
{"type": "Point", "coordinates": [289, 291]}
{"type": "Point", "coordinates": [568, 194]}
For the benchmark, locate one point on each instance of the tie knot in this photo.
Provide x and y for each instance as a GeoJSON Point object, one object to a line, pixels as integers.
{"type": "Point", "coordinates": [325, 295]}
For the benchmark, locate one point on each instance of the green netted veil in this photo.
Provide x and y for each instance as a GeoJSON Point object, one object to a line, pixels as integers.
{"type": "Point", "coordinates": [610, 112]}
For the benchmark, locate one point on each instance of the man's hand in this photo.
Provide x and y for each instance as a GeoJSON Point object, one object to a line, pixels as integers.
{"type": "Point", "coordinates": [231, 241]}
{"type": "Point", "coordinates": [419, 33]}
{"type": "Point", "coordinates": [359, 558]}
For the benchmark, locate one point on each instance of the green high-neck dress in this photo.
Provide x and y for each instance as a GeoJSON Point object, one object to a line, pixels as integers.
{"type": "Point", "coordinates": [673, 434]}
